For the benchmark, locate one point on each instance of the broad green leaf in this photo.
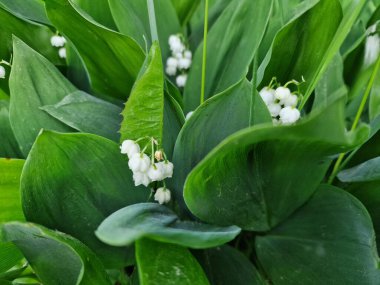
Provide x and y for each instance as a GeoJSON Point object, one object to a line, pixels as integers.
{"type": "Point", "coordinates": [161, 263]}
{"type": "Point", "coordinates": [185, 9]}
{"type": "Point", "coordinates": [9, 257]}
{"type": "Point", "coordinates": [112, 60]}
{"type": "Point", "coordinates": [87, 114]}
{"type": "Point", "coordinates": [76, 69]}
{"type": "Point", "coordinates": [153, 221]}
{"type": "Point", "coordinates": [225, 265]}
{"type": "Point", "coordinates": [10, 196]}
{"type": "Point", "coordinates": [330, 240]}
{"type": "Point", "coordinates": [72, 182]}
{"type": "Point", "coordinates": [34, 34]}
{"type": "Point", "coordinates": [34, 82]}
{"type": "Point", "coordinates": [32, 10]}
{"type": "Point", "coordinates": [98, 10]}
{"type": "Point", "coordinates": [143, 114]}
{"type": "Point", "coordinates": [258, 176]}
{"type": "Point", "coordinates": [231, 45]}
{"type": "Point", "coordinates": [132, 19]}
{"type": "Point", "coordinates": [230, 109]}
{"type": "Point", "coordinates": [9, 146]}
{"type": "Point", "coordinates": [56, 257]}
{"type": "Point", "coordinates": [364, 172]}
{"type": "Point", "coordinates": [300, 46]}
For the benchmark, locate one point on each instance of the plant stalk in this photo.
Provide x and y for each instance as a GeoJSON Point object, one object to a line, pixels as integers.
{"type": "Point", "coordinates": [205, 30]}
{"type": "Point", "coordinates": [152, 20]}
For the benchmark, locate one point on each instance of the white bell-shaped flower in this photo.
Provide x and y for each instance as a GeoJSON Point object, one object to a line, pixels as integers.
{"type": "Point", "coordinates": [172, 61]}
{"type": "Point", "coordinates": [62, 52]}
{"type": "Point", "coordinates": [129, 147]}
{"type": "Point", "coordinates": [184, 63]}
{"type": "Point", "coordinates": [176, 44]}
{"type": "Point", "coordinates": [188, 115]}
{"type": "Point", "coordinates": [188, 54]}
{"type": "Point", "coordinates": [139, 162]}
{"type": "Point", "coordinates": [162, 195]}
{"type": "Point", "coordinates": [141, 178]}
{"type": "Point", "coordinates": [2, 72]}
{"type": "Point", "coordinates": [57, 41]}
{"type": "Point", "coordinates": [289, 115]}
{"type": "Point", "coordinates": [171, 70]}
{"type": "Point", "coordinates": [267, 95]}
{"type": "Point", "coordinates": [274, 109]}
{"type": "Point", "coordinates": [290, 101]}
{"type": "Point", "coordinates": [156, 172]}
{"type": "Point", "coordinates": [181, 80]}
{"type": "Point", "coordinates": [281, 93]}
{"type": "Point", "coordinates": [167, 168]}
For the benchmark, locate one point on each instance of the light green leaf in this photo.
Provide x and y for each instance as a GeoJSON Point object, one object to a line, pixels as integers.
{"type": "Point", "coordinates": [153, 221]}
{"type": "Point", "coordinates": [132, 19]}
{"type": "Point", "coordinates": [258, 176]}
{"type": "Point", "coordinates": [34, 82]}
{"type": "Point", "coordinates": [72, 182]}
{"type": "Point", "coordinates": [87, 114]}
{"type": "Point", "coordinates": [231, 45]}
{"type": "Point", "coordinates": [161, 263]}
{"type": "Point", "coordinates": [55, 257]}
{"type": "Point", "coordinates": [9, 146]}
{"type": "Point", "coordinates": [226, 265]}
{"type": "Point", "coordinates": [143, 114]}
{"type": "Point", "coordinates": [10, 206]}
{"type": "Point", "coordinates": [112, 60]}
{"type": "Point", "coordinates": [330, 240]}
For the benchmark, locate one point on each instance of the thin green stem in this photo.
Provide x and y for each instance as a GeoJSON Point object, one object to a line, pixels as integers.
{"type": "Point", "coordinates": [337, 166]}
{"type": "Point", "coordinates": [152, 20]}
{"type": "Point", "coordinates": [254, 91]}
{"type": "Point", "coordinates": [204, 53]}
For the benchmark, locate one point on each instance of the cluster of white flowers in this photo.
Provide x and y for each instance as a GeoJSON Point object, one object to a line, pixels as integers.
{"type": "Point", "coordinates": [2, 72]}
{"type": "Point", "coordinates": [180, 60]}
{"type": "Point", "coordinates": [282, 104]}
{"type": "Point", "coordinates": [148, 169]}
{"type": "Point", "coordinates": [59, 42]}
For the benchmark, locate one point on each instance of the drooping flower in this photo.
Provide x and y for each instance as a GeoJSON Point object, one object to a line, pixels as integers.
{"type": "Point", "coordinates": [289, 115]}
{"type": "Point", "coordinates": [156, 172]}
{"type": "Point", "coordinates": [129, 147]}
{"type": "Point", "coordinates": [181, 80]}
{"type": "Point", "coordinates": [62, 52]}
{"type": "Point", "coordinates": [139, 162]}
{"type": "Point", "coordinates": [2, 72]}
{"type": "Point", "coordinates": [267, 94]}
{"type": "Point", "coordinates": [57, 41]}
{"type": "Point", "coordinates": [162, 195]}
{"type": "Point", "coordinates": [141, 178]}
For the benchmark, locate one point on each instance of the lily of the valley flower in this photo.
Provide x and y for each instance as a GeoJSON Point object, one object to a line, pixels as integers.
{"type": "Point", "coordinates": [162, 195]}
{"type": "Point", "coordinates": [57, 41]}
{"type": "Point", "coordinates": [2, 72]}
{"type": "Point", "coordinates": [129, 147]}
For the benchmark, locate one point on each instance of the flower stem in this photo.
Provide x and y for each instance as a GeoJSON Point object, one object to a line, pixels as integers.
{"type": "Point", "coordinates": [337, 166]}
{"type": "Point", "coordinates": [204, 53]}
{"type": "Point", "coordinates": [152, 20]}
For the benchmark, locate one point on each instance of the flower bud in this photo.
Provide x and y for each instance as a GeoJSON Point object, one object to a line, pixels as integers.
{"type": "Point", "coordinates": [159, 155]}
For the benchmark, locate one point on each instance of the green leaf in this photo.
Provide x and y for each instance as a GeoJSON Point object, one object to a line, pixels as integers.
{"type": "Point", "coordinates": [160, 263]}
{"type": "Point", "coordinates": [364, 172]}
{"type": "Point", "coordinates": [226, 265]}
{"type": "Point", "coordinates": [9, 257]}
{"type": "Point", "coordinates": [185, 9]}
{"type": "Point", "coordinates": [299, 47]}
{"type": "Point", "coordinates": [55, 257]}
{"type": "Point", "coordinates": [143, 114]}
{"type": "Point", "coordinates": [9, 146]}
{"type": "Point", "coordinates": [230, 109]}
{"type": "Point", "coordinates": [153, 221]}
{"type": "Point", "coordinates": [10, 207]}
{"type": "Point", "coordinates": [231, 45]}
{"type": "Point", "coordinates": [33, 10]}
{"type": "Point", "coordinates": [330, 240]}
{"type": "Point", "coordinates": [87, 114]}
{"type": "Point", "coordinates": [99, 11]}
{"type": "Point", "coordinates": [374, 100]}
{"type": "Point", "coordinates": [34, 82]}
{"type": "Point", "coordinates": [258, 176]}
{"type": "Point", "coordinates": [137, 25]}
{"type": "Point", "coordinates": [112, 60]}
{"type": "Point", "coordinates": [35, 35]}
{"type": "Point", "coordinates": [72, 182]}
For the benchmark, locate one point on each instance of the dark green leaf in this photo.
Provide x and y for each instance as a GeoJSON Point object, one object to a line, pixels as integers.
{"type": "Point", "coordinates": [231, 45]}
{"type": "Point", "coordinates": [34, 82]}
{"type": "Point", "coordinates": [364, 172]}
{"type": "Point", "coordinates": [159, 223]}
{"type": "Point", "coordinates": [72, 182]}
{"type": "Point", "coordinates": [33, 10]}
{"type": "Point", "coordinates": [185, 9]}
{"type": "Point", "coordinates": [143, 114]}
{"type": "Point", "coordinates": [330, 240]}
{"type": "Point", "coordinates": [87, 114]}
{"type": "Point", "coordinates": [9, 146]}
{"type": "Point", "coordinates": [55, 257]}
{"type": "Point", "coordinates": [257, 177]}
{"type": "Point", "coordinates": [113, 60]}
{"type": "Point", "coordinates": [225, 266]}
{"type": "Point", "coordinates": [132, 19]}
{"type": "Point", "coordinates": [169, 264]}
{"type": "Point", "coordinates": [10, 206]}
{"type": "Point", "coordinates": [230, 109]}
{"type": "Point", "coordinates": [9, 257]}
